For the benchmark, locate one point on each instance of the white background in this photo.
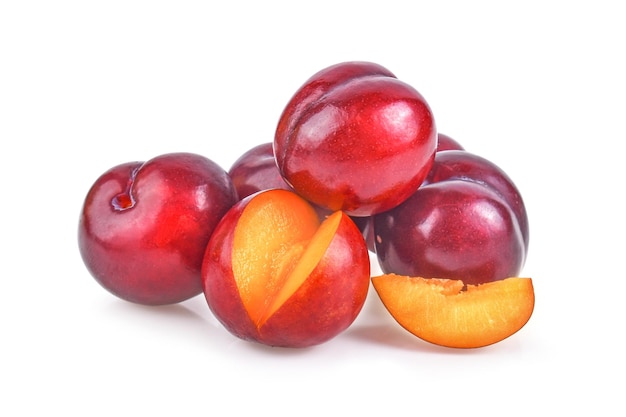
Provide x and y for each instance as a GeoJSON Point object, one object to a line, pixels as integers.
{"type": "Point", "coordinates": [536, 86]}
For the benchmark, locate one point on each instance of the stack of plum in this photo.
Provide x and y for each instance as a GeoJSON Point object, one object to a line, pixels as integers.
{"type": "Point", "coordinates": [280, 244]}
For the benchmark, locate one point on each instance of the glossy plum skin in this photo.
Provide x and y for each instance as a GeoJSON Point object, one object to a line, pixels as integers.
{"type": "Point", "coordinates": [447, 143]}
{"type": "Point", "coordinates": [366, 224]}
{"type": "Point", "coordinates": [452, 229]}
{"type": "Point", "coordinates": [143, 227]}
{"type": "Point", "coordinates": [463, 165]}
{"type": "Point", "coordinates": [355, 138]}
{"type": "Point", "coordinates": [256, 170]}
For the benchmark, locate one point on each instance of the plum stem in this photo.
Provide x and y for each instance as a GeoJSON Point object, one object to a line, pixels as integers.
{"type": "Point", "coordinates": [125, 199]}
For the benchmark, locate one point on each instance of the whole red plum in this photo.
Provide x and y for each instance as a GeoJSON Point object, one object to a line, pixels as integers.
{"type": "Point", "coordinates": [355, 138]}
{"type": "Point", "coordinates": [144, 227]}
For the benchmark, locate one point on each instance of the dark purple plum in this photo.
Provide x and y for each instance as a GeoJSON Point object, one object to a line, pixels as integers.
{"type": "Point", "coordinates": [256, 170]}
{"type": "Point", "coordinates": [451, 229]}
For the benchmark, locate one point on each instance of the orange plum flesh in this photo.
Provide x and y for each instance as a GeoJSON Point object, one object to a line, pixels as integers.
{"type": "Point", "coordinates": [446, 312]}
{"type": "Point", "coordinates": [274, 273]}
